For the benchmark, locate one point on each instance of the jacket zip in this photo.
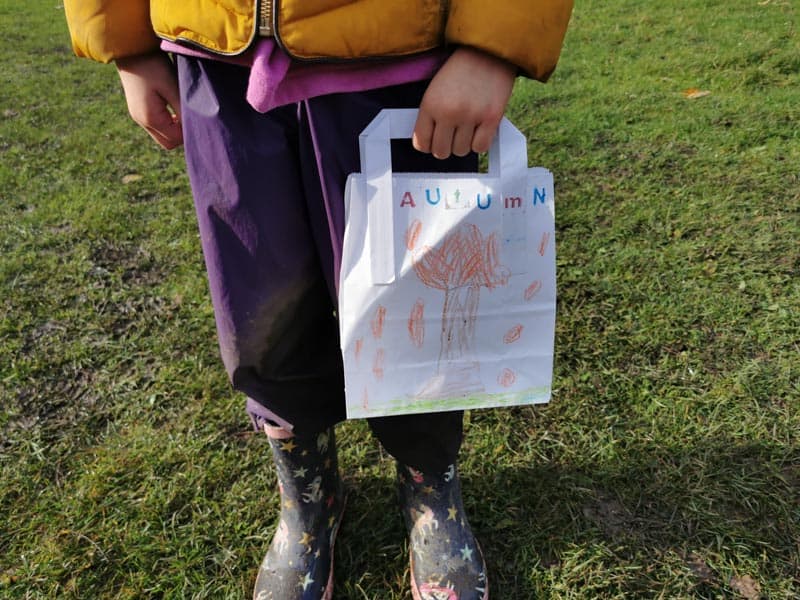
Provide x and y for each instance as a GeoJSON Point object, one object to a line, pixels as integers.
{"type": "Point", "coordinates": [265, 11]}
{"type": "Point", "coordinates": [444, 8]}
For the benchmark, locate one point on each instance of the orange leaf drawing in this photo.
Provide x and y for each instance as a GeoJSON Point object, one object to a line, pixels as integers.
{"type": "Point", "coordinates": [533, 289]}
{"type": "Point", "coordinates": [416, 323]}
{"type": "Point", "coordinates": [412, 234]}
{"type": "Point", "coordinates": [544, 242]}
{"type": "Point", "coordinates": [378, 321]}
{"type": "Point", "coordinates": [507, 377]}
{"type": "Point", "coordinates": [377, 366]}
{"type": "Point", "coordinates": [513, 334]}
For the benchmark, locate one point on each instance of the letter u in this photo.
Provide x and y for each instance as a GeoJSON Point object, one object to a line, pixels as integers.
{"type": "Point", "coordinates": [428, 197]}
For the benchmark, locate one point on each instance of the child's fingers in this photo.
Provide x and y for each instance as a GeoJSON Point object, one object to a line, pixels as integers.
{"type": "Point", "coordinates": [159, 138]}
{"type": "Point", "coordinates": [164, 128]}
{"type": "Point", "coordinates": [166, 140]}
{"type": "Point", "coordinates": [484, 134]}
{"type": "Point", "coordinates": [423, 132]}
{"type": "Point", "coordinates": [151, 91]}
{"type": "Point", "coordinates": [463, 140]}
{"type": "Point", "coordinates": [442, 142]}
{"type": "Point", "coordinates": [173, 99]}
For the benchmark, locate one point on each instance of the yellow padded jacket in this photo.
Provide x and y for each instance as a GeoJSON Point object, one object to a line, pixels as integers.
{"type": "Point", "coordinates": [527, 33]}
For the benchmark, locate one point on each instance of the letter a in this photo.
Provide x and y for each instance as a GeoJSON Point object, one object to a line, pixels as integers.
{"type": "Point", "coordinates": [408, 200]}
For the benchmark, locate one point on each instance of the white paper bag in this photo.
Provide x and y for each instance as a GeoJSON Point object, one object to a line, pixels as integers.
{"type": "Point", "coordinates": [447, 288]}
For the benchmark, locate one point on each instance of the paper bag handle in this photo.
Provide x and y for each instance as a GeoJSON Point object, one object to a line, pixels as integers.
{"type": "Point", "coordinates": [508, 162]}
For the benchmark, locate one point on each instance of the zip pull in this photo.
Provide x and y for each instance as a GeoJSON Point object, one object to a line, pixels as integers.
{"type": "Point", "coordinates": [265, 18]}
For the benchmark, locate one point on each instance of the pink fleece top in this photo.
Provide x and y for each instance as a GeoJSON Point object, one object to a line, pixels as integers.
{"type": "Point", "coordinates": [275, 80]}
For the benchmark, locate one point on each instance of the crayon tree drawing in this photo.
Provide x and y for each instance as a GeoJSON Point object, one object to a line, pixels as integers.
{"type": "Point", "coordinates": [464, 262]}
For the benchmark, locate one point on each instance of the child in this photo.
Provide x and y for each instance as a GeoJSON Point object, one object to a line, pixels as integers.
{"type": "Point", "coordinates": [269, 99]}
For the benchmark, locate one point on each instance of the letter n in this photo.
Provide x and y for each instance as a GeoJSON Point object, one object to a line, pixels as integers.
{"type": "Point", "coordinates": [540, 195]}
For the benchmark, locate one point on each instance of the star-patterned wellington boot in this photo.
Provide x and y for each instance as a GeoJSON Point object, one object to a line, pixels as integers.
{"type": "Point", "coordinates": [446, 561]}
{"type": "Point", "coordinates": [299, 562]}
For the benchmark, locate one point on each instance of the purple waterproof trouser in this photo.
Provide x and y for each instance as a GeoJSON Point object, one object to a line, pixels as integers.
{"type": "Point", "coordinates": [268, 189]}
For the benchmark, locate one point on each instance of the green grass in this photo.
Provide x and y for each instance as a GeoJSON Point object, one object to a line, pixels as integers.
{"type": "Point", "coordinates": [667, 464]}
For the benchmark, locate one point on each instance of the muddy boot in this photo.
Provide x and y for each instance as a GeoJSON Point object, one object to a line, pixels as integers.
{"type": "Point", "coordinates": [299, 562]}
{"type": "Point", "coordinates": [446, 561]}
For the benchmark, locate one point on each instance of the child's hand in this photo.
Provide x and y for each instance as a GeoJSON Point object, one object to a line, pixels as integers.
{"type": "Point", "coordinates": [151, 90]}
{"type": "Point", "coordinates": [464, 104]}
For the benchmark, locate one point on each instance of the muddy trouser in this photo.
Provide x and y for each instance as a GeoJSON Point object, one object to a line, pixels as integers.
{"type": "Point", "coordinates": [268, 190]}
